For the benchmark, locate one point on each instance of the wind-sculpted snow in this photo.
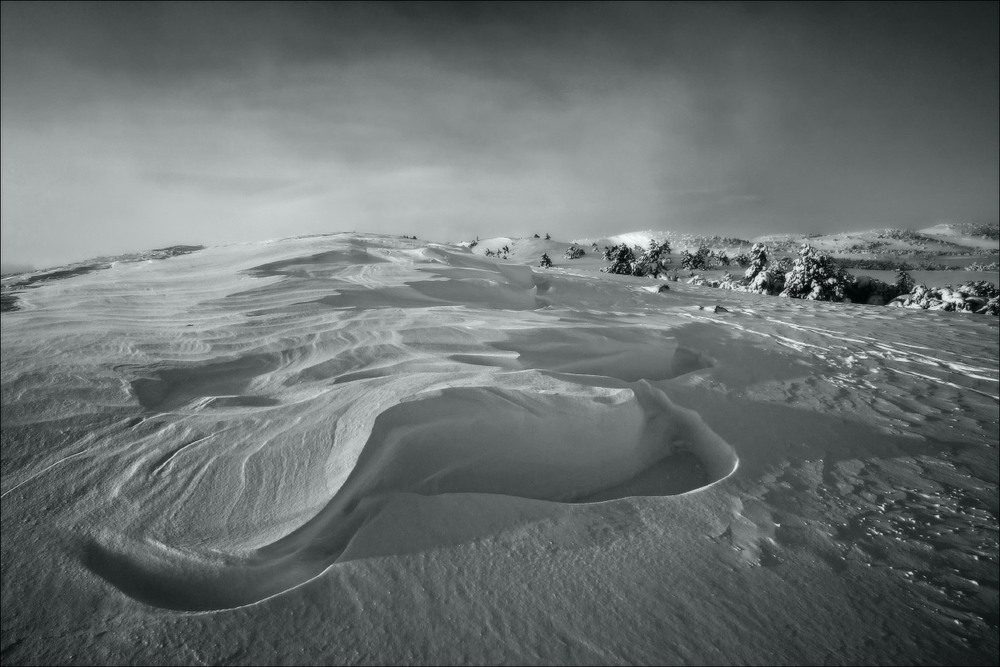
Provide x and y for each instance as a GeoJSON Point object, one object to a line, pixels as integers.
{"type": "Point", "coordinates": [412, 404]}
{"type": "Point", "coordinates": [221, 382]}
{"type": "Point", "coordinates": [18, 282]}
{"type": "Point", "coordinates": [554, 442]}
{"type": "Point", "coordinates": [352, 448]}
{"type": "Point", "coordinates": [629, 354]}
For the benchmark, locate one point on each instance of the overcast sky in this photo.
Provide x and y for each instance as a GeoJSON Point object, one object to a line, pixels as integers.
{"type": "Point", "coordinates": [132, 126]}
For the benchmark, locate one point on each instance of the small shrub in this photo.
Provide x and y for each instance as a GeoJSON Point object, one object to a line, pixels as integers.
{"type": "Point", "coordinates": [976, 266]}
{"type": "Point", "coordinates": [700, 260]}
{"type": "Point", "coordinates": [904, 283]}
{"type": "Point", "coordinates": [686, 260]}
{"type": "Point", "coordinates": [742, 260]}
{"type": "Point", "coordinates": [981, 288]}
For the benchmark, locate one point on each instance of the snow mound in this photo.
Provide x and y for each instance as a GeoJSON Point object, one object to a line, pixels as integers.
{"type": "Point", "coordinates": [509, 442]}
{"type": "Point", "coordinates": [552, 441]}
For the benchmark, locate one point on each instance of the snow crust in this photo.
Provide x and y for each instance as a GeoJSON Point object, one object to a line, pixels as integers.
{"type": "Point", "coordinates": [354, 448]}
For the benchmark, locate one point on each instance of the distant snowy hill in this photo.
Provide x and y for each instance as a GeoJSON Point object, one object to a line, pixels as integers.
{"type": "Point", "coordinates": [973, 235]}
{"type": "Point", "coordinates": [678, 241]}
{"type": "Point", "coordinates": [940, 240]}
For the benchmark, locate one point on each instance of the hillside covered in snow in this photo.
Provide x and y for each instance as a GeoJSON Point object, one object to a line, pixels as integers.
{"type": "Point", "coordinates": [365, 449]}
{"type": "Point", "coordinates": [954, 243]}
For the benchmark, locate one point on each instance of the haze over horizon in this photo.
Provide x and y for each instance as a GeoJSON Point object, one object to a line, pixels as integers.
{"type": "Point", "coordinates": [138, 125]}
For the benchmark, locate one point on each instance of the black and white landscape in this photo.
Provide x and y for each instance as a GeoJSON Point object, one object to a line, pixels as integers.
{"type": "Point", "coordinates": [695, 359]}
{"type": "Point", "coordinates": [358, 448]}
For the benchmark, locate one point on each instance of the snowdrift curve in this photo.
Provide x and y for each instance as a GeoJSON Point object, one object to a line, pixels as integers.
{"type": "Point", "coordinates": [565, 443]}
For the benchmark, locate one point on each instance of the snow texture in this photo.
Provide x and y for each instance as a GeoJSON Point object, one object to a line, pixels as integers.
{"type": "Point", "coordinates": [364, 449]}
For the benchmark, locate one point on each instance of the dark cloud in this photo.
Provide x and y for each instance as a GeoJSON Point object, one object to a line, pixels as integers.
{"type": "Point", "coordinates": [218, 121]}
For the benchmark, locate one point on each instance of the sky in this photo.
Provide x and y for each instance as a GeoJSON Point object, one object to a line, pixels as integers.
{"type": "Point", "coordinates": [133, 126]}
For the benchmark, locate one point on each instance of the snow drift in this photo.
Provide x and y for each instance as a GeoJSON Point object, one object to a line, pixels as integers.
{"type": "Point", "coordinates": [360, 448]}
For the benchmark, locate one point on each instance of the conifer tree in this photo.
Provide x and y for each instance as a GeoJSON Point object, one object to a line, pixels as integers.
{"type": "Point", "coordinates": [622, 260]}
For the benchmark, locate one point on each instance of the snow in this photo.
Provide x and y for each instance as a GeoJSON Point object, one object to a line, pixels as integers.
{"type": "Point", "coordinates": [358, 448]}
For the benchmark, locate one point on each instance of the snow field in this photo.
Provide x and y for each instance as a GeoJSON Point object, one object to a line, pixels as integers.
{"type": "Point", "coordinates": [351, 448]}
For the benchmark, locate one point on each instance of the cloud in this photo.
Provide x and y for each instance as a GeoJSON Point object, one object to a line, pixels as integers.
{"type": "Point", "coordinates": [226, 184]}
{"type": "Point", "coordinates": [206, 122]}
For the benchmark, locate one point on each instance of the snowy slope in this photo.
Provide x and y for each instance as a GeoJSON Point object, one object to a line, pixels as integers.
{"type": "Point", "coordinates": [967, 234]}
{"type": "Point", "coordinates": [945, 240]}
{"type": "Point", "coordinates": [939, 241]}
{"type": "Point", "coordinates": [359, 448]}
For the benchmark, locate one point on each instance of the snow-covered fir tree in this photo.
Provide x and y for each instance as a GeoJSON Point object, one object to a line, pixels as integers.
{"type": "Point", "coordinates": [654, 259]}
{"type": "Point", "coordinates": [622, 260]}
{"type": "Point", "coordinates": [757, 262]}
{"type": "Point", "coordinates": [815, 276]}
